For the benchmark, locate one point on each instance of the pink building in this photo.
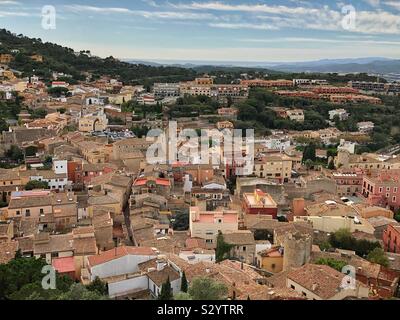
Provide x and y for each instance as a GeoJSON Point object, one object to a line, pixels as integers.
{"type": "Point", "coordinates": [382, 190]}
{"type": "Point", "coordinates": [90, 171]}
{"type": "Point", "coordinates": [207, 224]}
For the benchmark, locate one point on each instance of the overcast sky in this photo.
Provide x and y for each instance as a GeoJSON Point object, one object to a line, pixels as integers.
{"type": "Point", "coordinates": [226, 30]}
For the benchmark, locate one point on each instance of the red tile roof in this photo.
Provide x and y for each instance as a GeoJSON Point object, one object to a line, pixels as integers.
{"type": "Point", "coordinates": [64, 265]}
{"type": "Point", "coordinates": [163, 182]}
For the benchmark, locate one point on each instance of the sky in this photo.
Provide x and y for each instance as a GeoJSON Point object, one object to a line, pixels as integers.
{"type": "Point", "coordinates": [224, 30]}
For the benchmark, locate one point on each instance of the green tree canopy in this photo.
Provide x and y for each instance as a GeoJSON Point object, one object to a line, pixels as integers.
{"type": "Point", "coordinates": [205, 288]}
{"type": "Point", "coordinates": [33, 185]}
{"type": "Point", "coordinates": [378, 256]}
{"type": "Point", "coordinates": [184, 283]}
{"type": "Point", "coordinates": [166, 291]}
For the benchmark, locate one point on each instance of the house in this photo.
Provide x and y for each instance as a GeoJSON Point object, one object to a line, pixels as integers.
{"type": "Point", "coordinates": [243, 245]}
{"type": "Point", "coordinates": [93, 123]}
{"type": "Point", "coordinates": [260, 203]}
{"type": "Point", "coordinates": [120, 268]}
{"type": "Point", "coordinates": [270, 260]}
{"type": "Point", "coordinates": [37, 58]}
{"type": "Point", "coordinates": [10, 181]}
{"type": "Point", "coordinates": [60, 208]}
{"type": "Point", "coordinates": [103, 228]}
{"type": "Point", "coordinates": [296, 115]}
{"type": "Point", "coordinates": [158, 272]}
{"type": "Point", "coordinates": [221, 125]}
{"type": "Point", "coordinates": [48, 246]}
{"type": "Point", "coordinates": [340, 113]}
{"type": "Point", "coordinates": [206, 225]}
{"type": "Point", "coordinates": [275, 167]}
{"type": "Point", "coordinates": [382, 190]}
{"type": "Point", "coordinates": [8, 251]}
{"type": "Point", "coordinates": [391, 239]}
{"type": "Point", "coordinates": [332, 224]}
{"type": "Point", "coordinates": [320, 282]}
{"type": "Point", "coordinates": [365, 127]}
{"type": "Point", "coordinates": [6, 58]}
{"type": "Point", "coordinates": [65, 266]}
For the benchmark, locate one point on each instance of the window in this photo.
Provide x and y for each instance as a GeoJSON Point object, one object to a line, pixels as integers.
{"type": "Point", "coordinates": [293, 287]}
{"type": "Point", "coordinates": [244, 249]}
{"type": "Point", "coordinates": [27, 213]}
{"type": "Point", "coordinates": [41, 211]}
{"type": "Point", "coordinates": [18, 212]}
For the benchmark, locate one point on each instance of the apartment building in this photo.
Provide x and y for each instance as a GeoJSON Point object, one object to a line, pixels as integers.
{"type": "Point", "coordinates": [259, 203]}
{"type": "Point", "coordinates": [340, 113]}
{"type": "Point", "coordinates": [163, 90]}
{"type": "Point", "coordinates": [207, 224]}
{"type": "Point", "coordinates": [267, 83]}
{"type": "Point", "coordinates": [348, 183]}
{"type": "Point", "coordinates": [274, 167]}
{"type": "Point", "coordinates": [383, 190]}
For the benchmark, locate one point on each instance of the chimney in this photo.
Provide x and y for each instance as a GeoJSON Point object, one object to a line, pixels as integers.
{"type": "Point", "coordinates": [314, 286]}
{"type": "Point", "coordinates": [160, 265]}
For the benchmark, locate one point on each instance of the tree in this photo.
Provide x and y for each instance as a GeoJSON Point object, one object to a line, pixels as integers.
{"type": "Point", "coordinates": [34, 184]}
{"type": "Point", "coordinates": [223, 249]}
{"type": "Point", "coordinates": [309, 164]}
{"type": "Point", "coordinates": [182, 296]}
{"type": "Point", "coordinates": [79, 292]}
{"type": "Point", "coordinates": [204, 288]}
{"type": "Point", "coordinates": [310, 153]}
{"type": "Point", "coordinates": [15, 153]}
{"type": "Point", "coordinates": [333, 263]}
{"type": "Point", "coordinates": [181, 222]}
{"type": "Point", "coordinates": [166, 291]}
{"type": "Point", "coordinates": [343, 239]}
{"type": "Point", "coordinates": [184, 283]}
{"type": "Point", "coordinates": [331, 165]}
{"type": "Point", "coordinates": [378, 256]}
{"type": "Point", "coordinates": [22, 277]}
{"type": "Point", "coordinates": [98, 286]}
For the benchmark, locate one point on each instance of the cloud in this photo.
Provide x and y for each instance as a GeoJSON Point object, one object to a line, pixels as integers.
{"type": "Point", "coordinates": [142, 13]}
{"type": "Point", "coordinates": [305, 17]}
{"type": "Point", "coordinates": [373, 3]}
{"type": "Point", "coordinates": [393, 4]}
{"type": "Point", "coordinates": [322, 40]}
{"type": "Point", "coordinates": [262, 26]}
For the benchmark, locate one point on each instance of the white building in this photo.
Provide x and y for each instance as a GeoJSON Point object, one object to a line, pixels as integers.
{"type": "Point", "coordinates": [341, 113]}
{"type": "Point", "coordinates": [347, 146]}
{"type": "Point", "coordinates": [132, 269]}
{"type": "Point", "coordinates": [365, 127]}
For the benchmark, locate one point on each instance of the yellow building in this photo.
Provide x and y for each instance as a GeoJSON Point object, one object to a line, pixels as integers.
{"type": "Point", "coordinates": [37, 58]}
{"type": "Point", "coordinates": [9, 75]}
{"type": "Point", "coordinates": [9, 181]}
{"type": "Point", "coordinates": [6, 58]}
{"type": "Point", "coordinates": [93, 123]}
{"type": "Point", "coordinates": [270, 260]}
{"type": "Point", "coordinates": [119, 99]}
{"type": "Point", "coordinates": [276, 167]}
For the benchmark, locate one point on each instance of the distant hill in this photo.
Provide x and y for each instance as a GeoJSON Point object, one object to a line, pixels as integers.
{"type": "Point", "coordinates": [383, 66]}
{"type": "Point", "coordinates": [63, 59]}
